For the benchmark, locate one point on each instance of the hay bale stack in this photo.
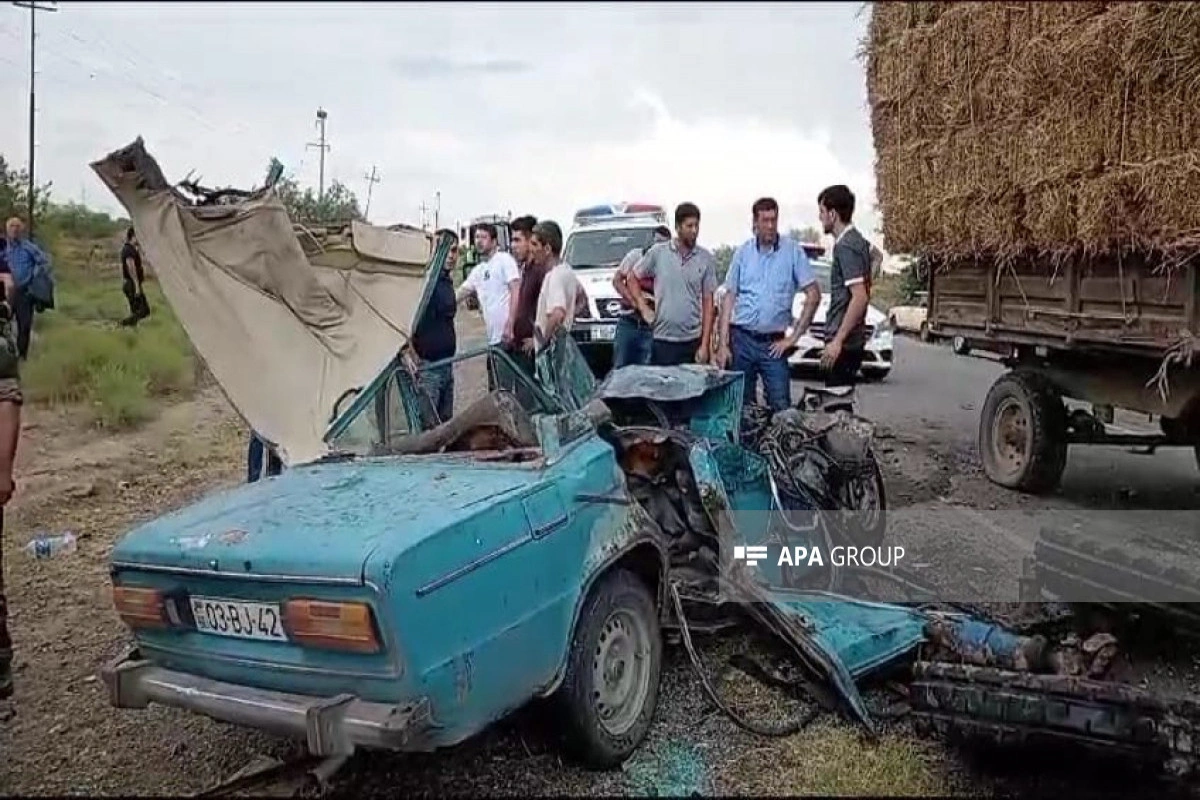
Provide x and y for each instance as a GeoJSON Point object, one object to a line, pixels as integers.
{"type": "Point", "coordinates": [1013, 130]}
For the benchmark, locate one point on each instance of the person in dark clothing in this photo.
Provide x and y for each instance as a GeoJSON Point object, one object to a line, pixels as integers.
{"type": "Point", "coordinates": [434, 338]}
{"type": "Point", "coordinates": [532, 275]}
{"type": "Point", "coordinates": [132, 279]}
{"type": "Point", "coordinates": [11, 401]}
{"type": "Point", "coordinates": [849, 289]}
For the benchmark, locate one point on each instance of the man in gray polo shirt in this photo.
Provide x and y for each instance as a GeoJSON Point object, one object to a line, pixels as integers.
{"type": "Point", "coordinates": [685, 277]}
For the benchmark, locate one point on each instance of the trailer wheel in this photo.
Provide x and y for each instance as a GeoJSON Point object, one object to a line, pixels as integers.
{"type": "Point", "coordinates": [1023, 433]}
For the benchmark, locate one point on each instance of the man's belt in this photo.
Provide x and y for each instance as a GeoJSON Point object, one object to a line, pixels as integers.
{"type": "Point", "coordinates": [759, 337]}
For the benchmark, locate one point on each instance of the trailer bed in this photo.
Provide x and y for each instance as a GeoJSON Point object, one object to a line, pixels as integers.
{"type": "Point", "coordinates": [1105, 305]}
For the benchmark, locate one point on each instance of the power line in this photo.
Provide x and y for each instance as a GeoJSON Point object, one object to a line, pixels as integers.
{"type": "Point", "coordinates": [34, 8]}
{"type": "Point", "coordinates": [371, 180]}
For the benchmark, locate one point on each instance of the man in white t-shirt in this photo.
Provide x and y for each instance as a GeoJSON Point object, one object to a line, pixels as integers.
{"type": "Point", "coordinates": [561, 289]}
{"type": "Point", "coordinates": [494, 281]}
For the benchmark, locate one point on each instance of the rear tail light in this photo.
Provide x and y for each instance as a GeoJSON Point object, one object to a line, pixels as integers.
{"type": "Point", "coordinates": [140, 608]}
{"type": "Point", "coordinates": [336, 626]}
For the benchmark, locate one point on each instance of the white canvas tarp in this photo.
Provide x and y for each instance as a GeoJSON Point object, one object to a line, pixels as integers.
{"type": "Point", "coordinates": [285, 334]}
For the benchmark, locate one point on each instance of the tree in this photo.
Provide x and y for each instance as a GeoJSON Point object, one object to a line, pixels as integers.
{"type": "Point", "coordinates": [14, 193]}
{"type": "Point", "coordinates": [724, 257]}
{"type": "Point", "coordinates": [807, 234]}
{"type": "Point", "coordinates": [339, 205]}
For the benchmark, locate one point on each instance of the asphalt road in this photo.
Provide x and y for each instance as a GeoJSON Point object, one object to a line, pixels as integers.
{"type": "Point", "coordinates": [971, 535]}
{"type": "Point", "coordinates": [938, 394]}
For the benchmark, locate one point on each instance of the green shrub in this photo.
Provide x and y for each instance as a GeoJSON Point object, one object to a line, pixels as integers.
{"type": "Point", "coordinates": [80, 356]}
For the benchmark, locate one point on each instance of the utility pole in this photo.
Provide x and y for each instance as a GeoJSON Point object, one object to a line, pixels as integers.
{"type": "Point", "coordinates": [34, 8]}
{"type": "Point", "coordinates": [423, 208]}
{"type": "Point", "coordinates": [323, 147]}
{"type": "Point", "coordinates": [437, 210]}
{"type": "Point", "coordinates": [371, 180]}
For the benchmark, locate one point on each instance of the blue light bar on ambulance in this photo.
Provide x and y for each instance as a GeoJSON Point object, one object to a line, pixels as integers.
{"type": "Point", "coordinates": [609, 212]}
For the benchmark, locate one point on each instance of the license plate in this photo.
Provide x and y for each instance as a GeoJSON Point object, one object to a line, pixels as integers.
{"type": "Point", "coordinates": [238, 618]}
{"type": "Point", "coordinates": [604, 332]}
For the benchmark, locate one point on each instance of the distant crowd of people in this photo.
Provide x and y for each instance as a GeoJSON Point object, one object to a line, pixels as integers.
{"type": "Point", "coordinates": [669, 315]}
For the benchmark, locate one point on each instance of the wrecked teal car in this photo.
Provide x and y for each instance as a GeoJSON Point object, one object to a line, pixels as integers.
{"type": "Point", "coordinates": [407, 580]}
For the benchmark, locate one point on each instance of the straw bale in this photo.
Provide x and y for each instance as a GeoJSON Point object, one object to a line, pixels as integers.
{"type": "Point", "coordinates": [1036, 129]}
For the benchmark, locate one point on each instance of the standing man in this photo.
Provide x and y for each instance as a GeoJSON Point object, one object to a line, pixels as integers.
{"type": "Point", "coordinates": [633, 338]}
{"type": "Point", "coordinates": [494, 282]}
{"type": "Point", "coordinates": [684, 277]}
{"type": "Point", "coordinates": [434, 338]}
{"type": "Point", "coordinates": [31, 279]}
{"type": "Point", "coordinates": [849, 288]}
{"type": "Point", "coordinates": [10, 431]}
{"type": "Point", "coordinates": [532, 274]}
{"type": "Point", "coordinates": [561, 289]}
{"type": "Point", "coordinates": [132, 279]}
{"type": "Point", "coordinates": [764, 277]}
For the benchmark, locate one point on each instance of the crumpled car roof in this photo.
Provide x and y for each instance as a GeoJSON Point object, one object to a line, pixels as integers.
{"type": "Point", "coordinates": [286, 324]}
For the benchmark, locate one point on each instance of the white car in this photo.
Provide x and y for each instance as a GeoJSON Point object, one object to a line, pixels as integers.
{"type": "Point", "coordinates": [877, 360]}
{"type": "Point", "coordinates": [912, 318]}
{"type": "Point", "coordinates": [599, 238]}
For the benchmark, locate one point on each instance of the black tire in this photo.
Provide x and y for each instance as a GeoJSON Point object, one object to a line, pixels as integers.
{"type": "Point", "coordinates": [616, 606]}
{"type": "Point", "coordinates": [924, 332]}
{"type": "Point", "coordinates": [871, 534]}
{"type": "Point", "coordinates": [1041, 421]}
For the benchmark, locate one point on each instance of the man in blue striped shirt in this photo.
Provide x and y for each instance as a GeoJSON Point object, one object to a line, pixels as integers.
{"type": "Point", "coordinates": [763, 279]}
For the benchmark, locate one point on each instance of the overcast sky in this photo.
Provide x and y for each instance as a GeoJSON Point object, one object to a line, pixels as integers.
{"type": "Point", "coordinates": [501, 107]}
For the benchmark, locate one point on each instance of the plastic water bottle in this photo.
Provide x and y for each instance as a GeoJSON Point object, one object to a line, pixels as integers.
{"type": "Point", "coordinates": [49, 546]}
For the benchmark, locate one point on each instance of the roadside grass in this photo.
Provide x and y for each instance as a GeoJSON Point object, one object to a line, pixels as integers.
{"type": "Point", "coordinates": [831, 758]}
{"type": "Point", "coordinates": [79, 355]}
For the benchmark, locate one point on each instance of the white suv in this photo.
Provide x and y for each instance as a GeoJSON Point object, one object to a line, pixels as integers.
{"type": "Point", "coordinates": [599, 238]}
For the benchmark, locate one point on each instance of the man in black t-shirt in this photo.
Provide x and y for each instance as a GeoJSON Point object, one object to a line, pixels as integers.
{"type": "Point", "coordinates": [849, 289]}
{"type": "Point", "coordinates": [132, 278]}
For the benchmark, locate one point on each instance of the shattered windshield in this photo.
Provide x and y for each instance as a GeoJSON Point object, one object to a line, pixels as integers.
{"type": "Point", "coordinates": [604, 248]}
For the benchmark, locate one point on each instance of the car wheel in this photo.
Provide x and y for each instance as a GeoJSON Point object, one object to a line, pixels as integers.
{"type": "Point", "coordinates": [925, 335]}
{"type": "Point", "coordinates": [610, 691]}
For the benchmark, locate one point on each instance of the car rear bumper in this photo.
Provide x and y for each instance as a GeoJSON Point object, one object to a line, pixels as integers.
{"type": "Point", "coordinates": [330, 725]}
{"type": "Point", "coordinates": [876, 356]}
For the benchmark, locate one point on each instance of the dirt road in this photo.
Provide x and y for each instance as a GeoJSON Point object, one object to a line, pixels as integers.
{"type": "Point", "coordinates": [66, 739]}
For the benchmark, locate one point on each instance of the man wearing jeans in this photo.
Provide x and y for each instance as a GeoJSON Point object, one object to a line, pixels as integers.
{"type": "Point", "coordinates": [633, 337]}
{"type": "Point", "coordinates": [764, 277]}
{"type": "Point", "coordinates": [684, 277]}
{"type": "Point", "coordinates": [849, 288]}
